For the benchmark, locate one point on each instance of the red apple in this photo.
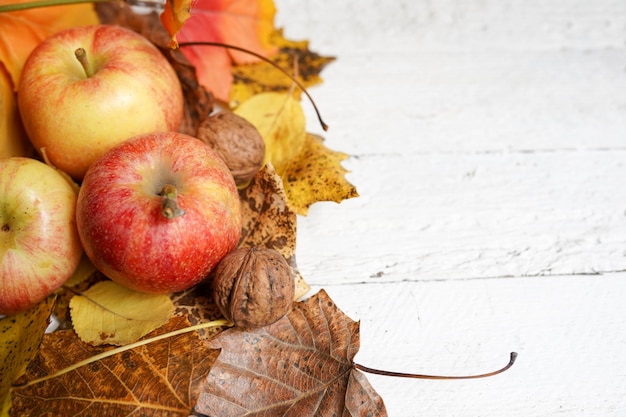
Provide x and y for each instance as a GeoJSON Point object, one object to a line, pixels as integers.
{"type": "Point", "coordinates": [39, 244]}
{"type": "Point", "coordinates": [158, 212]}
{"type": "Point", "coordinates": [77, 105]}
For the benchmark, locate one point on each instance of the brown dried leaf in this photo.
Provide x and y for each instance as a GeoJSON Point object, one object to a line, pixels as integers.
{"type": "Point", "coordinates": [198, 101]}
{"type": "Point", "coordinates": [299, 366]}
{"type": "Point", "coordinates": [197, 304]}
{"type": "Point", "coordinates": [158, 379]}
{"type": "Point", "coordinates": [269, 222]}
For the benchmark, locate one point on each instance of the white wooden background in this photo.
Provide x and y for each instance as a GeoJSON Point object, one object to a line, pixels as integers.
{"type": "Point", "coordinates": [488, 143]}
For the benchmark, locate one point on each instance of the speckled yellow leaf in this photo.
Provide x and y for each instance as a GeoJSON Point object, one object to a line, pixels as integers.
{"type": "Point", "coordinates": [292, 56]}
{"type": "Point", "coordinates": [108, 313]}
{"type": "Point", "coordinates": [280, 121]}
{"type": "Point", "coordinates": [316, 175]}
{"type": "Point", "coordinates": [20, 337]}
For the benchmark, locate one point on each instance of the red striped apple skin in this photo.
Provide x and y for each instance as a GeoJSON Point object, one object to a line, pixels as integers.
{"type": "Point", "coordinates": [39, 243]}
{"type": "Point", "coordinates": [132, 89]}
{"type": "Point", "coordinates": [120, 212]}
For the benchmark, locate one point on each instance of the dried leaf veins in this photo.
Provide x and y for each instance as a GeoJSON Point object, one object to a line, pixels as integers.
{"type": "Point", "coordinates": [158, 379]}
{"type": "Point", "coordinates": [299, 366]}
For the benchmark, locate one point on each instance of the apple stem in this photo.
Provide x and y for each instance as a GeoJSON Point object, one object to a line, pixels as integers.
{"type": "Point", "coordinates": [81, 55]}
{"type": "Point", "coordinates": [169, 206]}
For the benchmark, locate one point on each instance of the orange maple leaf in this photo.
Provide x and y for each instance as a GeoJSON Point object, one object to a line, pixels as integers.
{"type": "Point", "coordinates": [247, 24]}
{"type": "Point", "coordinates": [21, 31]}
{"type": "Point", "coordinates": [174, 16]}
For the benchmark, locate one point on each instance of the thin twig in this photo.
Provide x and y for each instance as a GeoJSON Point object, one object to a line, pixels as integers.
{"type": "Point", "coordinates": [269, 61]}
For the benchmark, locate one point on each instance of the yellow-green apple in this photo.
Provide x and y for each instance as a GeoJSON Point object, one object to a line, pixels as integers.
{"type": "Point", "coordinates": [157, 212]}
{"type": "Point", "coordinates": [39, 243]}
{"type": "Point", "coordinates": [86, 89]}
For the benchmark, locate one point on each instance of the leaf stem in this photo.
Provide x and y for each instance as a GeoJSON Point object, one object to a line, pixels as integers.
{"type": "Point", "coordinates": [267, 60]}
{"type": "Point", "coordinates": [44, 3]}
{"type": "Point", "coordinates": [419, 376]}
{"type": "Point", "coordinates": [108, 353]}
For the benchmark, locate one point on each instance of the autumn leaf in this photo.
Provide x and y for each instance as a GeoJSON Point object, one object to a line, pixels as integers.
{"type": "Point", "coordinates": [21, 31]}
{"type": "Point", "coordinates": [311, 172]}
{"type": "Point", "coordinates": [13, 139]}
{"type": "Point", "coordinates": [301, 365]}
{"type": "Point", "coordinates": [269, 222]}
{"type": "Point", "coordinates": [80, 281]}
{"type": "Point", "coordinates": [160, 379]}
{"type": "Point", "coordinates": [316, 175]}
{"type": "Point", "coordinates": [255, 78]}
{"type": "Point", "coordinates": [244, 23]}
{"type": "Point", "coordinates": [109, 313]}
{"type": "Point", "coordinates": [280, 120]}
{"type": "Point", "coordinates": [21, 335]}
{"type": "Point", "coordinates": [174, 16]}
{"type": "Point", "coordinates": [198, 305]}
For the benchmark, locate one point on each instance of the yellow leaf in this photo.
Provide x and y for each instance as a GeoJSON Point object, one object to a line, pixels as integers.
{"type": "Point", "coordinates": [108, 313]}
{"type": "Point", "coordinates": [280, 121]}
{"type": "Point", "coordinates": [316, 175]}
{"type": "Point", "coordinates": [255, 78]}
{"type": "Point", "coordinates": [21, 335]}
{"type": "Point", "coordinates": [174, 15]}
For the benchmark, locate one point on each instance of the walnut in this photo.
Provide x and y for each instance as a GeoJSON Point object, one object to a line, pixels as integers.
{"type": "Point", "coordinates": [238, 142]}
{"type": "Point", "coordinates": [253, 287]}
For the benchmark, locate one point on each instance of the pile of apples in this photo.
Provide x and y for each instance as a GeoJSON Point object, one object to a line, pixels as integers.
{"type": "Point", "coordinates": [152, 208]}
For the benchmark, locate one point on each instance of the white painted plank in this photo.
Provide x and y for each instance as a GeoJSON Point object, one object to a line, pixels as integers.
{"type": "Point", "coordinates": [570, 333]}
{"type": "Point", "coordinates": [493, 75]}
{"type": "Point", "coordinates": [478, 24]}
{"type": "Point", "coordinates": [425, 101]}
{"type": "Point", "coordinates": [423, 217]}
{"type": "Point", "coordinates": [489, 148]}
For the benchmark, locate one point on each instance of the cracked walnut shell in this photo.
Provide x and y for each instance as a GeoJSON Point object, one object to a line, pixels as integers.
{"type": "Point", "coordinates": [253, 287]}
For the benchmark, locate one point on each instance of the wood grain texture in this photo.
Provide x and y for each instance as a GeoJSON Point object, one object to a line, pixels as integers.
{"type": "Point", "coordinates": [488, 143]}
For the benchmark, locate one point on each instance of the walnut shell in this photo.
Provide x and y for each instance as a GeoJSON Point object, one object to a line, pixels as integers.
{"type": "Point", "coordinates": [253, 287]}
{"type": "Point", "coordinates": [237, 141]}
